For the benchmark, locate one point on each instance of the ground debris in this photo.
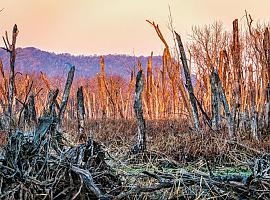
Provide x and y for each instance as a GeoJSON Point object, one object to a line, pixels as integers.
{"type": "Point", "coordinates": [43, 170]}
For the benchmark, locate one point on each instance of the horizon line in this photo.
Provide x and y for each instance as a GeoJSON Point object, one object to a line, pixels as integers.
{"type": "Point", "coordinates": [86, 55]}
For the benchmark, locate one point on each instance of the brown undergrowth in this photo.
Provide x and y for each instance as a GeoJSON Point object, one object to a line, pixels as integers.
{"type": "Point", "coordinates": [179, 164]}
{"type": "Point", "coordinates": [175, 139]}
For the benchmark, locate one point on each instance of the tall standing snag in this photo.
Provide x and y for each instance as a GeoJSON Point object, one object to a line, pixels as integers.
{"type": "Point", "coordinates": [236, 56]}
{"type": "Point", "coordinates": [12, 51]}
{"type": "Point", "coordinates": [140, 147]}
{"type": "Point", "coordinates": [66, 95]}
{"type": "Point", "coordinates": [225, 104]}
{"type": "Point", "coordinates": [266, 47]}
{"type": "Point", "coordinates": [188, 82]}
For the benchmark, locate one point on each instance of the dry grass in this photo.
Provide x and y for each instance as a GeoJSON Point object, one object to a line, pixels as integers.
{"type": "Point", "coordinates": [174, 139]}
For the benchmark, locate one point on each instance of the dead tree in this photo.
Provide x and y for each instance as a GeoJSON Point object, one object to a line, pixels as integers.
{"type": "Point", "coordinates": [80, 115]}
{"type": "Point", "coordinates": [102, 92]}
{"type": "Point", "coordinates": [188, 83]}
{"type": "Point", "coordinates": [11, 48]}
{"type": "Point", "coordinates": [266, 47]}
{"type": "Point", "coordinates": [66, 95]}
{"type": "Point", "coordinates": [215, 104]}
{"type": "Point", "coordinates": [225, 104]}
{"type": "Point", "coordinates": [140, 147]}
{"type": "Point", "coordinates": [237, 73]}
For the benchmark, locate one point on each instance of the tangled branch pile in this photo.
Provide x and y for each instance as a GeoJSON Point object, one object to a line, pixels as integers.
{"type": "Point", "coordinates": [31, 170]}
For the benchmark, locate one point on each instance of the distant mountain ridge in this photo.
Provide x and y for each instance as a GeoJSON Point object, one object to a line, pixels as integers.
{"type": "Point", "coordinates": [33, 60]}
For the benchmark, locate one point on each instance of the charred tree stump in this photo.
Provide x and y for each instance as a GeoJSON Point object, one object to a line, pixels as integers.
{"type": "Point", "coordinates": [66, 96]}
{"type": "Point", "coordinates": [29, 114]}
{"type": "Point", "coordinates": [26, 116]}
{"type": "Point", "coordinates": [49, 109]}
{"type": "Point", "coordinates": [188, 83]}
{"type": "Point", "coordinates": [80, 115]}
{"type": "Point", "coordinates": [32, 109]}
{"type": "Point", "coordinates": [48, 120]}
{"type": "Point", "coordinates": [140, 147]}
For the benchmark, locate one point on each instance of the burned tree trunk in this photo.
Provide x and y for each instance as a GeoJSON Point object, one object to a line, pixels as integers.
{"type": "Point", "coordinates": [215, 104]}
{"type": "Point", "coordinates": [66, 95]}
{"type": "Point", "coordinates": [140, 147]}
{"type": "Point", "coordinates": [188, 83]}
{"type": "Point", "coordinates": [12, 51]}
{"type": "Point", "coordinates": [225, 104]}
{"type": "Point", "coordinates": [80, 115]}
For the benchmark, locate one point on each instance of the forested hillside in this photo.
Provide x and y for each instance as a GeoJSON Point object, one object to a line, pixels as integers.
{"type": "Point", "coordinates": [31, 59]}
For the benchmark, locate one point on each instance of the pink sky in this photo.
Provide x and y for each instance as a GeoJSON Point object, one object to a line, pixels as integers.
{"type": "Point", "coordinates": [115, 26]}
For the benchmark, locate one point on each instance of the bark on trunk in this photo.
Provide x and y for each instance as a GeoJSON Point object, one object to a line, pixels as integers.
{"type": "Point", "coordinates": [102, 81]}
{"type": "Point", "coordinates": [237, 74]}
{"type": "Point", "coordinates": [140, 147]}
{"type": "Point", "coordinates": [32, 109]}
{"type": "Point", "coordinates": [266, 46]}
{"type": "Point", "coordinates": [215, 104]}
{"type": "Point", "coordinates": [254, 116]}
{"type": "Point", "coordinates": [3, 88]}
{"type": "Point", "coordinates": [80, 115]}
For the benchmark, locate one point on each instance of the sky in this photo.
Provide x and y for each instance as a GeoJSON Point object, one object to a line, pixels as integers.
{"type": "Point", "coordinates": [88, 27]}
